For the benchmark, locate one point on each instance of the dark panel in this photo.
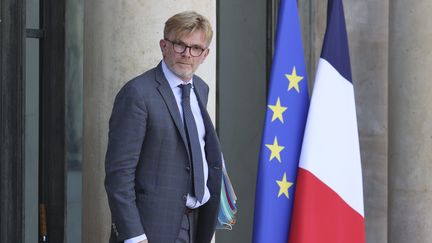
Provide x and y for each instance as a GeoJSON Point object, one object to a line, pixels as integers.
{"type": "Point", "coordinates": [243, 47]}
{"type": "Point", "coordinates": [11, 120]}
{"type": "Point", "coordinates": [52, 115]}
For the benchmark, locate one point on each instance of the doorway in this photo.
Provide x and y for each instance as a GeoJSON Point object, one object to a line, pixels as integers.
{"type": "Point", "coordinates": [40, 125]}
{"type": "Point", "coordinates": [44, 163]}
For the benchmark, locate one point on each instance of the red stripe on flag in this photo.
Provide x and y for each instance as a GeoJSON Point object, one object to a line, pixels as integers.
{"type": "Point", "coordinates": [322, 216]}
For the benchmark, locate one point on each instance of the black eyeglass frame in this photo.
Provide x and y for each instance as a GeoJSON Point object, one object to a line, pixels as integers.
{"type": "Point", "coordinates": [181, 48]}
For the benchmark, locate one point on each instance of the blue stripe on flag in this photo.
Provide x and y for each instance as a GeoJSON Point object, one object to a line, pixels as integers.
{"type": "Point", "coordinates": [335, 48]}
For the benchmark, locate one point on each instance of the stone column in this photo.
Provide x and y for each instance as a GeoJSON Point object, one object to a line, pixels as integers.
{"type": "Point", "coordinates": [410, 122]}
{"type": "Point", "coordinates": [121, 40]}
{"type": "Point", "coordinates": [369, 65]}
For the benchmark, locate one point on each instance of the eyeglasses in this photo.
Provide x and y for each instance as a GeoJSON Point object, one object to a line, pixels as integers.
{"type": "Point", "coordinates": [180, 47]}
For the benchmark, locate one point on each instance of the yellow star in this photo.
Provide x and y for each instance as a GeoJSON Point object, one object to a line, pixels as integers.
{"type": "Point", "coordinates": [283, 186]}
{"type": "Point", "coordinates": [278, 110]}
{"type": "Point", "coordinates": [293, 80]}
{"type": "Point", "coordinates": [275, 150]}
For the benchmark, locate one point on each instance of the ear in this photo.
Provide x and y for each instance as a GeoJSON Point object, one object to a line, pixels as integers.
{"type": "Point", "coordinates": [162, 45]}
{"type": "Point", "coordinates": [205, 54]}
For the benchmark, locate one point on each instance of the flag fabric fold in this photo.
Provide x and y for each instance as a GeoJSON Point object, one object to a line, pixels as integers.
{"type": "Point", "coordinates": [328, 206]}
{"type": "Point", "coordinates": [286, 113]}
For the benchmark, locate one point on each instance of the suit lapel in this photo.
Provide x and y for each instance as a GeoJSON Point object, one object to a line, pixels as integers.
{"type": "Point", "coordinates": [212, 146]}
{"type": "Point", "coordinates": [199, 92]}
{"type": "Point", "coordinates": [168, 96]}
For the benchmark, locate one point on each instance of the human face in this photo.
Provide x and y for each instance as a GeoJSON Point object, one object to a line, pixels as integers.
{"type": "Point", "coordinates": [184, 64]}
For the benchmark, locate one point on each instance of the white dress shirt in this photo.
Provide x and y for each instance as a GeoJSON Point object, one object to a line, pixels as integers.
{"type": "Point", "coordinates": [174, 83]}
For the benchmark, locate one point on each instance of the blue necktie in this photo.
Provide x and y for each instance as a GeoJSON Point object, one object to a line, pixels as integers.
{"type": "Point", "coordinates": [194, 145]}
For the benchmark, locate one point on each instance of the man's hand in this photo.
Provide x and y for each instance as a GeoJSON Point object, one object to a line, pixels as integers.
{"type": "Point", "coordinates": [144, 241]}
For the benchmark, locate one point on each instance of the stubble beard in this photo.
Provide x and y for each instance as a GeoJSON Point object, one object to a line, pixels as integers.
{"type": "Point", "coordinates": [184, 73]}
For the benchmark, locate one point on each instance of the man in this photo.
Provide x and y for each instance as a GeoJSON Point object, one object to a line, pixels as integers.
{"type": "Point", "coordinates": [163, 162]}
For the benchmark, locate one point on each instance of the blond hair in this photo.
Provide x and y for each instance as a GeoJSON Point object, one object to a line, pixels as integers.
{"type": "Point", "coordinates": [187, 22]}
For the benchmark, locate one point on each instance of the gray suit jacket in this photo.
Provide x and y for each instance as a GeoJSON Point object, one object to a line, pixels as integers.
{"type": "Point", "coordinates": [148, 164]}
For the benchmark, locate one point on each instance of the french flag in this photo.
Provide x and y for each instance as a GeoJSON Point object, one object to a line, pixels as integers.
{"type": "Point", "coordinates": [328, 206]}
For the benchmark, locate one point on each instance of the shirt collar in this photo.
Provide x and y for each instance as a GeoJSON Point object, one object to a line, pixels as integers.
{"type": "Point", "coordinates": [173, 80]}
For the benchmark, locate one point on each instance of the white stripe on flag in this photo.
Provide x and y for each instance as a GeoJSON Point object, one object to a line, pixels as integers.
{"type": "Point", "coordinates": [331, 146]}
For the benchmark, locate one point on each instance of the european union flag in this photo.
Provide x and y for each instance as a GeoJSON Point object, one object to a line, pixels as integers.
{"type": "Point", "coordinates": [287, 107]}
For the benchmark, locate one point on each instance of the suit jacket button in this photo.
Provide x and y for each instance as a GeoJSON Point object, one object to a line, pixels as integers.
{"type": "Point", "coordinates": [188, 168]}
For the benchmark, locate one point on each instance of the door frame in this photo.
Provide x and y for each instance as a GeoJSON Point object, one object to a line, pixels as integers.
{"type": "Point", "coordinates": [52, 162]}
{"type": "Point", "coordinates": [11, 120]}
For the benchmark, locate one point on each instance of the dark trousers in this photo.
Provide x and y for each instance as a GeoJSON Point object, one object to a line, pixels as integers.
{"type": "Point", "coordinates": [187, 232]}
{"type": "Point", "coordinates": [188, 228]}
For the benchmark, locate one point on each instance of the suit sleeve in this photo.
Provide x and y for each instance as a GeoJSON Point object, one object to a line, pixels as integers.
{"type": "Point", "coordinates": [127, 128]}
